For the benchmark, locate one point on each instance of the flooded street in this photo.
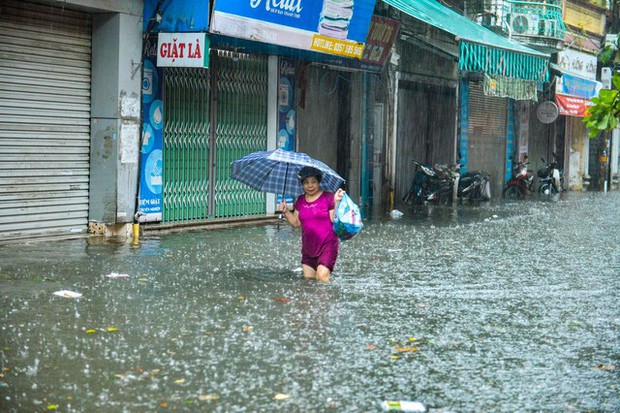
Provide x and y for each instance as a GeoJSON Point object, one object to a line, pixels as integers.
{"type": "Point", "coordinates": [505, 307]}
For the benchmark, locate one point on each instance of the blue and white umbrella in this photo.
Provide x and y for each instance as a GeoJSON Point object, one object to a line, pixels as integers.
{"type": "Point", "coordinates": [276, 172]}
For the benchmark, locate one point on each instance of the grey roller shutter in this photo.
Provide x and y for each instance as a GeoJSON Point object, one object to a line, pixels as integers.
{"type": "Point", "coordinates": [45, 55]}
{"type": "Point", "coordinates": [487, 135]}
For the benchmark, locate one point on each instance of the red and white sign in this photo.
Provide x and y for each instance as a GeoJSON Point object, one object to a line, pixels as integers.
{"type": "Point", "coordinates": [182, 50]}
{"type": "Point", "coordinates": [571, 105]}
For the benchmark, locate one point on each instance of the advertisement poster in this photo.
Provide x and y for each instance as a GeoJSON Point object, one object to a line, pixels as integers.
{"type": "Point", "coordinates": [176, 16]}
{"type": "Point", "coordinates": [151, 160]}
{"type": "Point", "coordinates": [286, 110]}
{"type": "Point", "coordinates": [337, 27]}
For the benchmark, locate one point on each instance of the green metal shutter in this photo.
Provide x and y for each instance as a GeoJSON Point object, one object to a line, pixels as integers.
{"type": "Point", "coordinates": [196, 178]}
{"type": "Point", "coordinates": [241, 129]}
{"type": "Point", "coordinates": [186, 145]}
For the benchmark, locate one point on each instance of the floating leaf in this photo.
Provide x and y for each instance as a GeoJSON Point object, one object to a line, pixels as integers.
{"type": "Point", "coordinates": [241, 297]}
{"type": "Point", "coordinates": [188, 401]}
{"type": "Point", "coordinates": [111, 329]}
{"type": "Point", "coordinates": [281, 396]}
{"type": "Point", "coordinates": [163, 404]}
{"type": "Point", "coordinates": [371, 347]}
{"type": "Point", "coordinates": [248, 329]}
{"type": "Point", "coordinates": [406, 349]}
{"type": "Point", "coordinates": [283, 300]}
{"type": "Point", "coordinates": [208, 397]}
{"type": "Point", "coordinates": [604, 367]}
{"type": "Point", "coordinates": [179, 381]}
{"type": "Point", "coordinates": [394, 357]}
{"type": "Point", "coordinates": [91, 331]}
{"type": "Point", "coordinates": [412, 339]}
{"type": "Point", "coordinates": [52, 406]}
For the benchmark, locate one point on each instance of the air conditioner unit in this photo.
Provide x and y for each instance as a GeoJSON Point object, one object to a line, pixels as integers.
{"type": "Point", "coordinates": [547, 28]}
{"type": "Point", "coordinates": [527, 24]}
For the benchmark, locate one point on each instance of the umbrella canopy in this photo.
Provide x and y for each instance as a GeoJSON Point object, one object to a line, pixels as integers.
{"type": "Point", "coordinates": [276, 172]}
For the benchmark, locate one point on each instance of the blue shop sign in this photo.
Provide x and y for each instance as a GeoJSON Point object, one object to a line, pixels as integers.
{"type": "Point", "coordinates": [336, 27]}
{"type": "Point", "coordinates": [176, 15]}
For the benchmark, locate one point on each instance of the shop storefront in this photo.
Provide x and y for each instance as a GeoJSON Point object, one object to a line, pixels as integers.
{"type": "Point", "coordinates": [575, 85]}
{"type": "Point", "coordinates": [491, 73]}
{"type": "Point", "coordinates": [255, 93]}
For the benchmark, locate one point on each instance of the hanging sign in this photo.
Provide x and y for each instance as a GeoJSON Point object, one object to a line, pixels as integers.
{"type": "Point", "coordinates": [547, 112]}
{"type": "Point", "coordinates": [183, 50]}
{"type": "Point", "coordinates": [337, 27]}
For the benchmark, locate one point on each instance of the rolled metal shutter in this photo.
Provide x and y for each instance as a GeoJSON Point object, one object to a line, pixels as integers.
{"type": "Point", "coordinates": [45, 61]}
{"type": "Point", "coordinates": [487, 135]}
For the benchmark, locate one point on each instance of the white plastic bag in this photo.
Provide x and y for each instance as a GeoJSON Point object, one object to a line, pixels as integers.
{"type": "Point", "coordinates": [347, 219]}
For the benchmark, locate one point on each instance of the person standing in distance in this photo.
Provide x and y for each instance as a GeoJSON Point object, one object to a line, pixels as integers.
{"type": "Point", "coordinates": [314, 213]}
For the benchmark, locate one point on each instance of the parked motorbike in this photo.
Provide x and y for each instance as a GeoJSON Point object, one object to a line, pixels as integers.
{"type": "Point", "coordinates": [474, 186]}
{"type": "Point", "coordinates": [550, 178]}
{"type": "Point", "coordinates": [520, 184]}
{"type": "Point", "coordinates": [430, 184]}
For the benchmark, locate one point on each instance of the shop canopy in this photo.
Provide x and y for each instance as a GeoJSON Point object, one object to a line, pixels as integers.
{"type": "Point", "coordinates": [480, 49]}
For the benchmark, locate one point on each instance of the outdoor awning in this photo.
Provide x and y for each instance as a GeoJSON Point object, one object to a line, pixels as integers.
{"type": "Point", "coordinates": [480, 49]}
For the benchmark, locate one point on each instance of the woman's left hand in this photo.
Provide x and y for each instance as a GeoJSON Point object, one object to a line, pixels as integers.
{"type": "Point", "coordinates": [338, 195]}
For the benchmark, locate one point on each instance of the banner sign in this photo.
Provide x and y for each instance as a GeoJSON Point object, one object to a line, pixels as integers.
{"type": "Point", "coordinates": [182, 50]}
{"type": "Point", "coordinates": [151, 160]}
{"type": "Point", "coordinates": [337, 27]}
{"type": "Point", "coordinates": [286, 111]}
{"type": "Point", "coordinates": [577, 86]}
{"type": "Point", "coordinates": [571, 105]}
{"type": "Point", "coordinates": [176, 16]}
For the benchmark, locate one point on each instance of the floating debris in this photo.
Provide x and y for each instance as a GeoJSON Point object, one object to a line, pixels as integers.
{"type": "Point", "coordinates": [68, 294]}
{"type": "Point", "coordinates": [117, 275]}
{"type": "Point", "coordinates": [403, 406]}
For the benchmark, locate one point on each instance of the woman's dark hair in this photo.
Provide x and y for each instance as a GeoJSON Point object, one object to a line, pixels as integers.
{"type": "Point", "coordinates": [307, 171]}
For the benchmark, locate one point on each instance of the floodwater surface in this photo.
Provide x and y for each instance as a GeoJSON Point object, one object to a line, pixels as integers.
{"type": "Point", "coordinates": [506, 307]}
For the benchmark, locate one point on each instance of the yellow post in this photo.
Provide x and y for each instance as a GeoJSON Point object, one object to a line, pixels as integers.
{"type": "Point", "coordinates": [136, 232]}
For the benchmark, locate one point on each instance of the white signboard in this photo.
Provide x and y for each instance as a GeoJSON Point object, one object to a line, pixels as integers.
{"type": "Point", "coordinates": [182, 50]}
{"type": "Point", "coordinates": [577, 63]}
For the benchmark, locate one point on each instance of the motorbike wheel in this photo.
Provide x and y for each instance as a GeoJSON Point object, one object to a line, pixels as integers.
{"type": "Point", "coordinates": [513, 192]}
{"type": "Point", "coordinates": [546, 189]}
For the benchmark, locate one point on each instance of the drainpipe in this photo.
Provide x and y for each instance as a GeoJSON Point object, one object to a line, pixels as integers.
{"type": "Point", "coordinates": [364, 155]}
{"type": "Point", "coordinates": [456, 159]}
{"type": "Point", "coordinates": [394, 140]}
